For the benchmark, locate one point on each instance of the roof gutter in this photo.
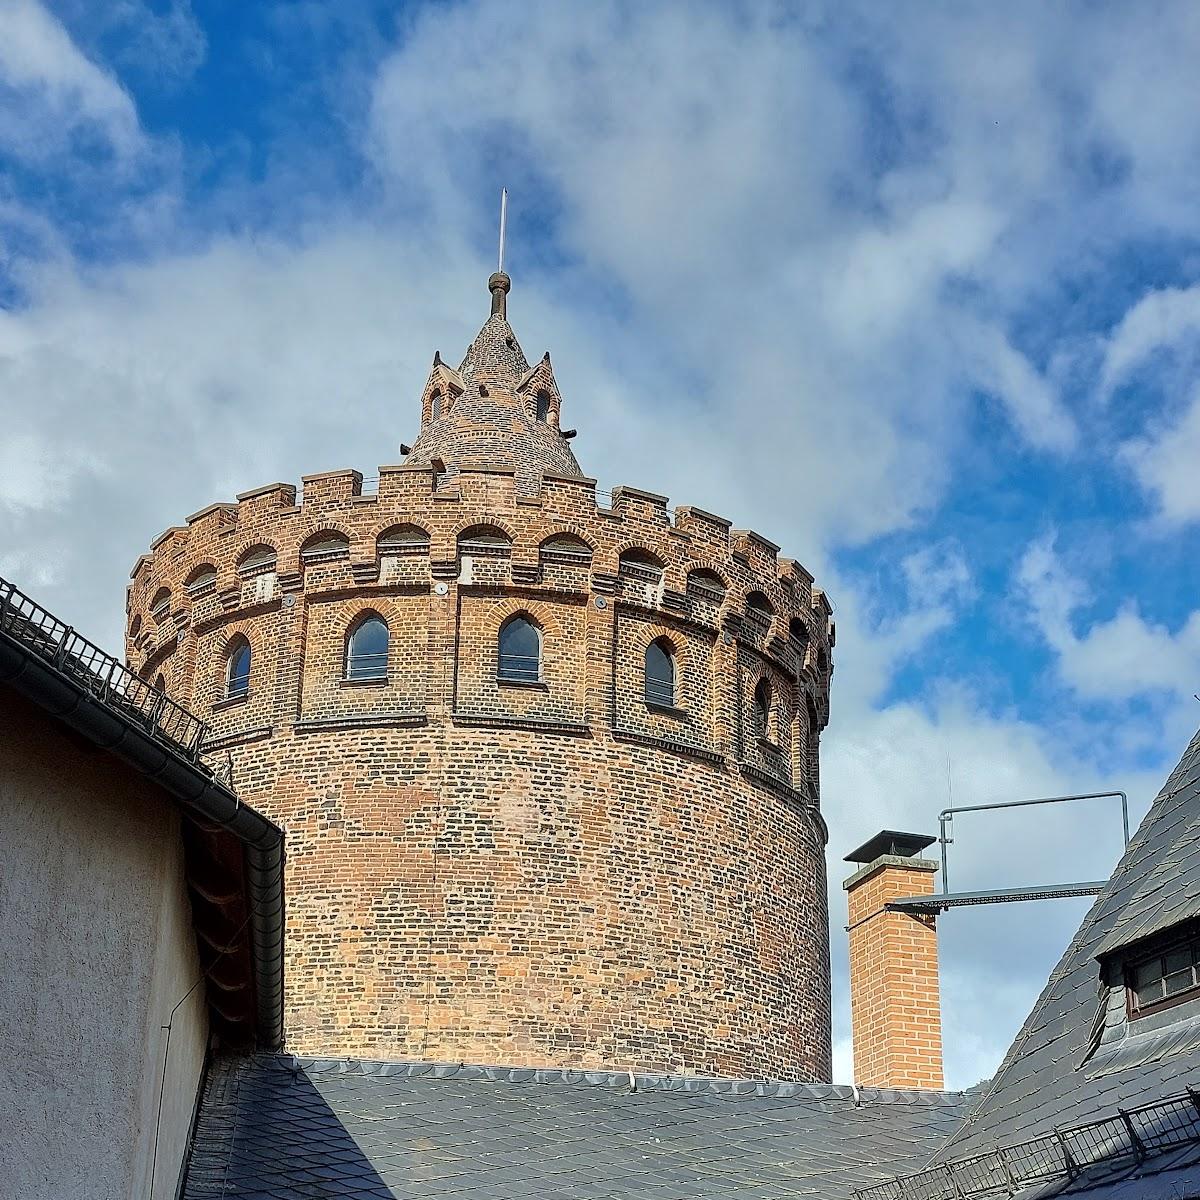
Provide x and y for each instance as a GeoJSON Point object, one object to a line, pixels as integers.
{"type": "Point", "coordinates": [195, 788]}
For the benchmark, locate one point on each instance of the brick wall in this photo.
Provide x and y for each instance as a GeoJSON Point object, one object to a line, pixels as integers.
{"type": "Point", "coordinates": [895, 1005]}
{"type": "Point", "coordinates": [550, 875]}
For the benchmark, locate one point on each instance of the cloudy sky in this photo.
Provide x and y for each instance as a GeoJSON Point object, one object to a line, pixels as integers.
{"type": "Point", "coordinates": [912, 289]}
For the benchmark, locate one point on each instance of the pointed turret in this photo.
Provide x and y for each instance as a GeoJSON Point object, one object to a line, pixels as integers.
{"type": "Point", "coordinates": [495, 410]}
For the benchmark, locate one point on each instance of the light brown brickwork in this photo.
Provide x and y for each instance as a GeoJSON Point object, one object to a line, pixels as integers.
{"type": "Point", "coordinates": [553, 874]}
{"type": "Point", "coordinates": [894, 997]}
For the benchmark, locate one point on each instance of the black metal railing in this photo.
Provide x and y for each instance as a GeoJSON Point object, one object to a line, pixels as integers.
{"type": "Point", "coordinates": [1130, 1135]}
{"type": "Point", "coordinates": [104, 677]}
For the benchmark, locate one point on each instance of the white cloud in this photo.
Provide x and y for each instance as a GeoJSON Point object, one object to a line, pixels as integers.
{"type": "Point", "coordinates": [55, 92]}
{"type": "Point", "coordinates": [1165, 463]}
{"type": "Point", "coordinates": [1160, 320]}
{"type": "Point", "coordinates": [1122, 657]}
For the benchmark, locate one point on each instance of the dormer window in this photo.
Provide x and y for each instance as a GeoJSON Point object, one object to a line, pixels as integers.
{"type": "Point", "coordinates": [542, 406]}
{"type": "Point", "coordinates": [1164, 979]}
{"type": "Point", "coordinates": [435, 406]}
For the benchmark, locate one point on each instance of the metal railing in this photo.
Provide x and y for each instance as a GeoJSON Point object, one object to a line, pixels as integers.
{"type": "Point", "coordinates": [1131, 1135]}
{"type": "Point", "coordinates": [101, 675]}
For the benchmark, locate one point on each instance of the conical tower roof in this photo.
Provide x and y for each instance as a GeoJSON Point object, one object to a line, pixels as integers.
{"type": "Point", "coordinates": [495, 410]}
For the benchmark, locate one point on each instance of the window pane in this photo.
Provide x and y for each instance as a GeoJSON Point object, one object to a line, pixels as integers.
{"type": "Point", "coordinates": [238, 678]}
{"type": "Point", "coordinates": [1177, 960]}
{"type": "Point", "coordinates": [1178, 982]}
{"type": "Point", "coordinates": [367, 654]}
{"type": "Point", "coordinates": [1147, 973]}
{"type": "Point", "coordinates": [660, 675]}
{"type": "Point", "coordinates": [520, 651]}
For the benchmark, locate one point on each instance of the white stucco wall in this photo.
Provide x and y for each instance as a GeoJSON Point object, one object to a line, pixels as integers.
{"type": "Point", "coordinates": [96, 949]}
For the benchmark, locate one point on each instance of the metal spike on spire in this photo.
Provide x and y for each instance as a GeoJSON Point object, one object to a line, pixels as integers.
{"type": "Point", "coordinates": [503, 226]}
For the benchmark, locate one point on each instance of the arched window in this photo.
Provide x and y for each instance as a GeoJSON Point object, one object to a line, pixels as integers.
{"type": "Point", "coordinates": [160, 682]}
{"type": "Point", "coordinates": [484, 541]}
{"type": "Point", "coordinates": [237, 667]}
{"type": "Point", "coordinates": [640, 564]}
{"type": "Point", "coordinates": [160, 606]}
{"type": "Point", "coordinates": [757, 605]}
{"type": "Point", "coordinates": [403, 539]}
{"type": "Point", "coordinates": [762, 715]}
{"type": "Point", "coordinates": [325, 547]}
{"type": "Point", "coordinates": [542, 406]}
{"type": "Point", "coordinates": [202, 580]}
{"type": "Point", "coordinates": [367, 648]}
{"type": "Point", "coordinates": [256, 560]}
{"type": "Point", "coordinates": [706, 585]}
{"type": "Point", "coordinates": [660, 674]}
{"type": "Point", "coordinates": [565, 548]}
{"type": "Point", "coordinates": [798, 632]}
{"type": "Point", "coordinates": [520, 658]}
{"type": "Point", "coordinates": [435, 406]}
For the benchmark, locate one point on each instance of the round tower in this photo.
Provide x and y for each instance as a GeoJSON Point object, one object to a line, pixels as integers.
{"type": "Point", "coordinates": [546, 758]}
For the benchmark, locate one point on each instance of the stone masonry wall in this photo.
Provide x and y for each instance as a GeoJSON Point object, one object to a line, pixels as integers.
{"type": "Point", "coordinates": [555, 874]}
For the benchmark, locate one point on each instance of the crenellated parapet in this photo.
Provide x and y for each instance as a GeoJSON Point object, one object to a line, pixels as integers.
{"type": "Point", "coordinates": [687, 566]}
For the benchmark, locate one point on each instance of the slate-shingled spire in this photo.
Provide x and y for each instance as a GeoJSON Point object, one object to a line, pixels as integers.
{"type": "Point", "coordinates": [486, 414]}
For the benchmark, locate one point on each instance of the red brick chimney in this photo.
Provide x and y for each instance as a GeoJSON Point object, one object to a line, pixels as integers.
{"type": "Point", "coordinates": [894, 1002]}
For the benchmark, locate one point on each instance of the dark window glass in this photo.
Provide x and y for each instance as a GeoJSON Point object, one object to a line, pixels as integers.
{"type": "Point", "coordinates": [520, 651]}
{"type": "Point", "coordinates": [543, 406]}
{"type": "Point", "coordinates": [762, 709]}
{"type": "Point", "coordinates": [237, 669]}
{"type": "Point", "coordinates": [1165, 976]}
{"type": "Point", "coordinates": [367, 650]}
{"type": "Point", "coordinates": [435, 406]}
{"type": "Point", "coordinates": [660, 674]}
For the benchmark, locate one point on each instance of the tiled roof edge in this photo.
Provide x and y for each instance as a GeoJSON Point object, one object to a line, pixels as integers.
{"type": "Point", "coordinates": [632, 1081]}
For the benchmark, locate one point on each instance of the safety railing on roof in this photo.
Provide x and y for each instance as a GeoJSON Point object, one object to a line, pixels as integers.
{"type": "Point", "coordinates": [104, 677]}
{"type": "Point", "coordinates": [1129, 1134]}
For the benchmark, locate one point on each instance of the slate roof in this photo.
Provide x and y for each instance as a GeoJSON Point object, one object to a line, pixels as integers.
{"type": "Point", "coordinates": [1044, 1082]}
{"type": "Point", "coordinates": [274, 1127]}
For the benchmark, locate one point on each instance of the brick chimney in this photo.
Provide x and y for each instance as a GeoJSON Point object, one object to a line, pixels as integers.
{"type": "Point", "coordinates": [894, 1002]}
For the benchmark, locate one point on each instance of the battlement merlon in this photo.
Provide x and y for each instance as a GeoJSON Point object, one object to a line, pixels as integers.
{"type": "Point", "coordinates": [569, 499]}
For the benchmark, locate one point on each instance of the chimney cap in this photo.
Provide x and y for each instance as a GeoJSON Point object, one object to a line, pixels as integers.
{"type": "Point", "coordinates": [893, 842]}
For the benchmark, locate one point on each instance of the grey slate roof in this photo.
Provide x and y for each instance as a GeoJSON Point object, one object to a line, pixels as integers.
{"type": "Point", "coordinates": [274, 1127]}
{"type": "Point", "coordinates": [1044, 1082]}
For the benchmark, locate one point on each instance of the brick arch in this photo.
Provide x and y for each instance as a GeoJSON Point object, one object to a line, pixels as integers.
{"type": "Point", "coordinates": [695, 565]}
{"type": "Point", "coordinates": [678, 643]}
{"type": "Point", "coordinates": [327, 528]}
{"type": "Point", "coordinates": [575, 531]}
{"type": "Point", "coordinates": [539, 610]}
{"type": "Point", "coordinates": [487, 519]}
{"type": "Point", "coordinates": [400, 525]}
{"type": "Point", "coordinates": [244, 552]}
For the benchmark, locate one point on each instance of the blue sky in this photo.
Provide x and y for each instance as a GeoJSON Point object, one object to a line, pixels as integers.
{"type": "Point", "coordinates": [913, 290]}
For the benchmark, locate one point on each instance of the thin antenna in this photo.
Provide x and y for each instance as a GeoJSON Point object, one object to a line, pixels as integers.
{"type": "Point", "coordinates": [503, 225]}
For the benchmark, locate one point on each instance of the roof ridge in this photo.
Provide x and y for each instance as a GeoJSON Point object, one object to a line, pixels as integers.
{"type": "Point", "coordinates": [603, 1077]}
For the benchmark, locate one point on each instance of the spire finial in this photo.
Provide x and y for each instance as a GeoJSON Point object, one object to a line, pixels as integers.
{"type": "Point", "coordinates": [499, 283]}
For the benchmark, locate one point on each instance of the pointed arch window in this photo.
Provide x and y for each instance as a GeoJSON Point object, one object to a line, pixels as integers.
{"type": "Point", "coordinates": [435, 406]}
{"type": "Point", "coordinates": [541, 406]}
{"type": "Point", "coordinates": [237, 668]}
{"type": "Point", "coordinates": [660, 674]}
{"type": "Point", "coordinates": [367, 648]}
{"type": "Point", "coordinates": [762, 711]}
{"type": "Point", "coordinates": [520, 651]}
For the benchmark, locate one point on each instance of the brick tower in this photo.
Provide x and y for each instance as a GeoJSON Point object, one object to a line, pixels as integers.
{"type": "Point", "coordinates": [546, 760]}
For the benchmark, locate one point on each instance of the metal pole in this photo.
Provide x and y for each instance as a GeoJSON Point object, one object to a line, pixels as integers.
{"type": "Point", "coordinates": [503, 225]}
